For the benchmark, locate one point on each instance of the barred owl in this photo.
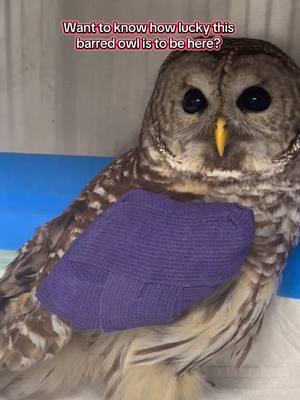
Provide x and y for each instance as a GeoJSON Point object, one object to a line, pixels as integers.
{"type": "Point", "coordinates": [219, 126]}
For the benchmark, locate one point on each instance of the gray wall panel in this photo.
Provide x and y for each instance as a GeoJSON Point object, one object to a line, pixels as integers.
{"type": "Point", "coordinates": [54, 100]}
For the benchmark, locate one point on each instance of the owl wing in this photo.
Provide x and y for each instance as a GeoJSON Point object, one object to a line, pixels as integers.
{"type": "Point", "coordinates": [28, 333]}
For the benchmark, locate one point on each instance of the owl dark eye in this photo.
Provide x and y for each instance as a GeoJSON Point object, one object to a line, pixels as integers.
{"type": "Point", "coordinates": [254, 98]}
{"type": "Point", "coordinates": [194, 101]}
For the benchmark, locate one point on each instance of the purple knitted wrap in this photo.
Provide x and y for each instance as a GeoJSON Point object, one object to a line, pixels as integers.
{"type": "Point", "coordinates": [146, 260]}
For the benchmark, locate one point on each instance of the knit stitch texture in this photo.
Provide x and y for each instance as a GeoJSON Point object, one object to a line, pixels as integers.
{"type": "Point", "coordinates": [146, 260]}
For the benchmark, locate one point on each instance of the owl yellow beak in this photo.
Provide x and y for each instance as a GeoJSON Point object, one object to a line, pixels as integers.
{"type": "Point", "coordinates": [221, 135]}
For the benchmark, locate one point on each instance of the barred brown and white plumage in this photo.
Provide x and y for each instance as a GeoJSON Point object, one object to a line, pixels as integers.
{"type": "Point", "coordinates": [176, 155]}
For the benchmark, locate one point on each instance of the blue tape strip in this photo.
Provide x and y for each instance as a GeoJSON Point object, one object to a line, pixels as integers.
{"type": "Point", "coordinates": [37, 188]}
{"type": "Point", "coordinates": [290, 284]}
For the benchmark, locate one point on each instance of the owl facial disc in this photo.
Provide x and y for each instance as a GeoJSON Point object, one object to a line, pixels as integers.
{"type": "Point", "coordinates": [292, 151]}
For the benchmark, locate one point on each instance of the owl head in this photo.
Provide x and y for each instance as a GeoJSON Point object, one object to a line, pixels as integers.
{"type": "Point", "coordinates": [235, 110]}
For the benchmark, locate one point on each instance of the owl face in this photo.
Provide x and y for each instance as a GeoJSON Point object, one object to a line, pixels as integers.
{"type": "Point", "coordinates": [235, 110]}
